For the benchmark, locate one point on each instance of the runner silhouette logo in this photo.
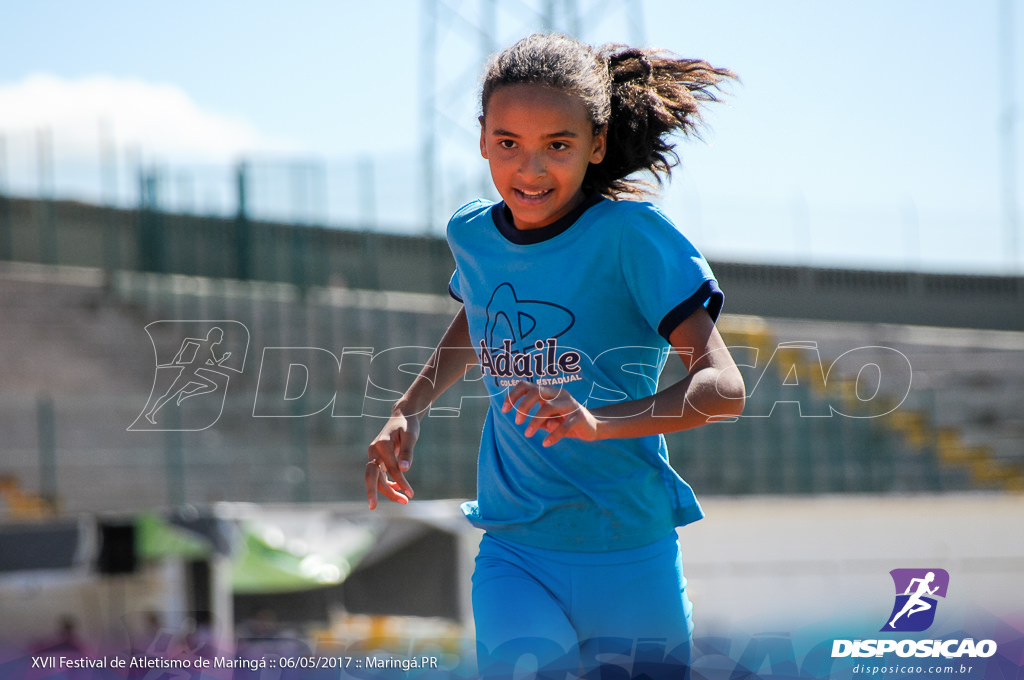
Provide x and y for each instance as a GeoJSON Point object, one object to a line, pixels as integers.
{"type": "Point", "coordinates": [916, 590]}
{"type": "Point", "coordinates": [194, 364]}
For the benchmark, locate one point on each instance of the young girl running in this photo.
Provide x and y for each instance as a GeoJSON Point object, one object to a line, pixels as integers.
{"type": "Point", "coordinates": [572, 301]}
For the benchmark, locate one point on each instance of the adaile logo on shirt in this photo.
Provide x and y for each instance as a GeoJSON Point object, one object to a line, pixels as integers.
{"type": "Point", "coordinates": [521, 340]}
{"type": "Point", "coordinates": [544, 364]}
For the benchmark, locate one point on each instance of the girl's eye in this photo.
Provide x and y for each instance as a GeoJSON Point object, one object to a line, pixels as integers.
{"type": "Point", "coordinates": [559, 146]}
{"type": "Point", "coordinates": [506, 144]}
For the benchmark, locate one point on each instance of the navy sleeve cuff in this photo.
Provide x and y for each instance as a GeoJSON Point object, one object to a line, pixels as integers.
{"type": "Point", "coordinates": [451, 291]}
{"type": "Point", "coordinates": [708, 291]}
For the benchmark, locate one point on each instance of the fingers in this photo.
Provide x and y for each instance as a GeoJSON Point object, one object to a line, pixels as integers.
{"type": "Point", "coordinates": [546, 418]}
{"type": "Point", "coordinates": [371, 476]}
{"type": "Point", "coordinates": [405, 445]}
{"type": "Point", "coordinates": [377, 481]}
{"type": "Point", "coordinates": [562, 429]}
{"type": "Point", "coordinates": [552, 405]}
{"type": "Point", "coordinates": [392, 464]}
{"type": "Point", "coordinates": [553, 410]}
{"type": "Point", "coordinates": [519, 391]}
{"type": "Point", "coordinates": [389, 456]}
{"type": "Point", "coordinates": [524, 405]}
{"type": "Point", "coordinates": [524, 396]}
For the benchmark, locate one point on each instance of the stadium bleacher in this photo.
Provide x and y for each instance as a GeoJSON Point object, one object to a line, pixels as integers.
{"type": "Point", "coordinates": [76, 337]}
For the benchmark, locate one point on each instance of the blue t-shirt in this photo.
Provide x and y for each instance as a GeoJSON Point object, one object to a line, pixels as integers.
{"type": "Point", "coordinates": [587, 304]}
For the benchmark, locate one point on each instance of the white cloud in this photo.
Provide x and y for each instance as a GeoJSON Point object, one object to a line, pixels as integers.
{"type": "Point", "coordinates": [162, 120]}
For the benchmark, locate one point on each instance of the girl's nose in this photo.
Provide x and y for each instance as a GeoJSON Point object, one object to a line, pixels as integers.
{"type": "Point", "coordinates": [532, 165]}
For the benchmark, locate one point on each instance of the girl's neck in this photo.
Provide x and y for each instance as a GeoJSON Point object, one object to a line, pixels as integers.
{"type": "Point", "coordinates": [504, 220]}
{"type": "Point", "coordinates": [568, 209]}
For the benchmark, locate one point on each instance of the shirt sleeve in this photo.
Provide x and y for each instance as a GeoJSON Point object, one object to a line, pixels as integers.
{"type": "Point", "coordinates": [455, 230]}
{"type": "Point", "coordinates": [666, 275]}
{"type": "Point", "coordinates": [453, 286]}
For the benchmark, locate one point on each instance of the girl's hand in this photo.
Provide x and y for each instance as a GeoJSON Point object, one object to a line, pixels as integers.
{"type": "Point", "coordinates": [558, 413]}
{"type": "Point", "coordinates": [390, 456]}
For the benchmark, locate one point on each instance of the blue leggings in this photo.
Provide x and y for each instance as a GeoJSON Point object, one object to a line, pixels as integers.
{"type": "Point", "coordinates": [609, 615]}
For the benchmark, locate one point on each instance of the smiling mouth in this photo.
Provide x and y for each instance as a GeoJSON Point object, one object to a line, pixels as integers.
{"type": "Point", "coordinates": [532, 195]}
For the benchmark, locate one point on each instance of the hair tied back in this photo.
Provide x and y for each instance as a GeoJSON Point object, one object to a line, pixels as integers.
{"type": "Point", "coordinates": [640, 95]}
{"type": "Point", "coordinates": [628, 65]}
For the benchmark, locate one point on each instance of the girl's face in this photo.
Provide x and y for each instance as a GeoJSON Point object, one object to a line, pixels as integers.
{"type": "Point", "coordinates": [539, 142]}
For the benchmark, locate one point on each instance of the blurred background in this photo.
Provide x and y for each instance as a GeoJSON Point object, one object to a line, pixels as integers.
{"type": "Point", "coordinates": [285, 174]}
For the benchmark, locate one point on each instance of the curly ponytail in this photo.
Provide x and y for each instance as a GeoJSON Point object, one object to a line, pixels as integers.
{"type": "Point", "coordinates": [642, 95]}
{"type": "Point", "coordinates": [653, 94]}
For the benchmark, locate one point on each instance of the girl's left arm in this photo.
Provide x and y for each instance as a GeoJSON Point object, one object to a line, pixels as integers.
{"type": "Point", "coordinates": [712, 390]}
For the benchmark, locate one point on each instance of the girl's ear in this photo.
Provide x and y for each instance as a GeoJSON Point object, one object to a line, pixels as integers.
{"type": "Point", "coordinates": [483, 139]}
{"type": "Point", "coordinates": [600, 145]}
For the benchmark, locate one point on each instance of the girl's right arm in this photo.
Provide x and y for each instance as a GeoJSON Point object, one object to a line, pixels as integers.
{"type": "Point", "coordinates": [390, 453]}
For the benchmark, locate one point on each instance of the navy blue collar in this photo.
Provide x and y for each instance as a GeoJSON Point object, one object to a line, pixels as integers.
{"type": "Point", "coordinates": [502, 217]}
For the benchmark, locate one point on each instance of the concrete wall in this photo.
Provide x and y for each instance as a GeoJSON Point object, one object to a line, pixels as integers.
{"type": "Point", "coordinates": [760, 564]}
{"type": "Point", "coordinates": [76, 234]}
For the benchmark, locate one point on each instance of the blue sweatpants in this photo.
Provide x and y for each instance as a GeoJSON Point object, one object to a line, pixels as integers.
{"type": "Point", "coordinates": [607, 615]}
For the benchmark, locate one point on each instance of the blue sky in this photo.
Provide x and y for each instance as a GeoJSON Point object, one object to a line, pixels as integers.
{"type": "Point", "coordinates": [863, 133]}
